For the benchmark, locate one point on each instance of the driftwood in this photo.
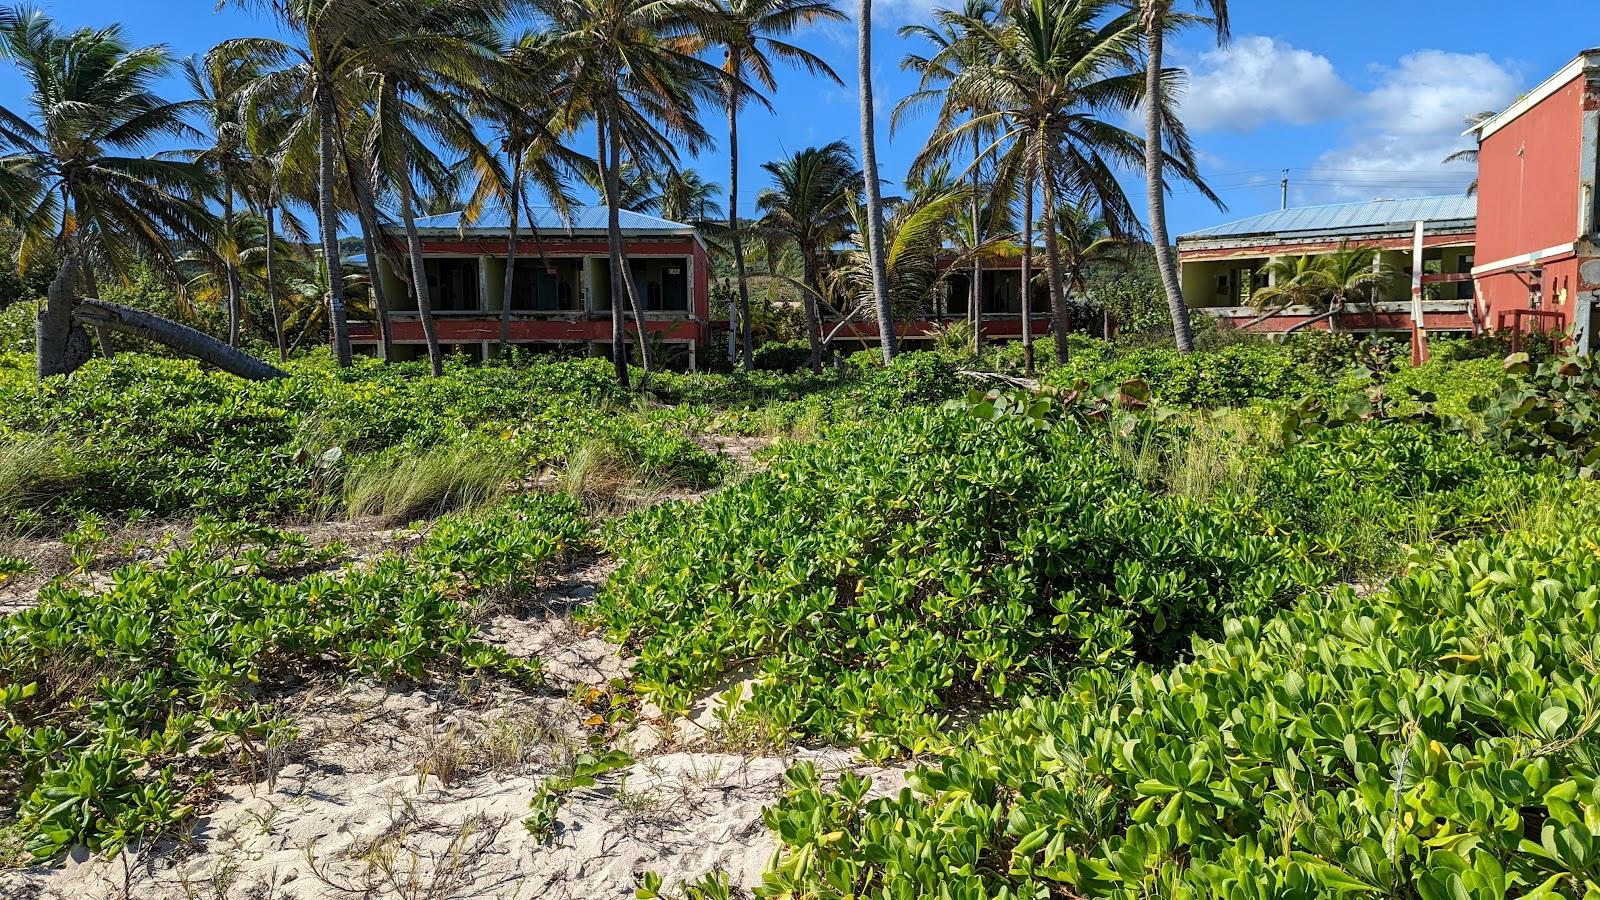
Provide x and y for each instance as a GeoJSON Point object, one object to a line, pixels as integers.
{"type": "Point", "coordinates": [99, 314]}
{"type": "Point", "coordinates": [1030, 384]}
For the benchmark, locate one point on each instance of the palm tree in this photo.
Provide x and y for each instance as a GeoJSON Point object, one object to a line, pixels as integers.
{"type": "Point", "coordinates": [954, 53]}
{"type": "Point", "coordinates": [73, 182]}
{"type": "Point", "coordinates": [684, 196]}
{"type": "Point", "coordinates": [1332, 278]}
{"type": "Point", "coordinates": [523, 113]}
{"type": "Point", "coordinates": [632, 72]}
{"type": "Point", "coordinates": [423, 99]}
{"type": "Point", "coordinates": [1470, 155]}
{"type": "Point", "coordinates": [914, 236]}
{"type": "Point", "coordinates": [869, 162]}
{"type": "Point", "coordinates": [1085, 241]}
{"type": "Point", "coordinates": [265, 128]}
{"type": "Point", "coordinates": [1163, 133]}
{"type": "Point", "coordinates": [751, 33]}
{"type": "Point", "coordinates": [811, 203]}
{"type": "Point", "coordinates": [215, 82]}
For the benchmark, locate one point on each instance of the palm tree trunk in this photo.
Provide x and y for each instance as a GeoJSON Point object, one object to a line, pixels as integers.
{"type": "Point", "coordinates": [53, 330]}
{"type": "Point", "coordinates": [372, 240]}
{"type": "Point", "coordinates": [272, 275]}
{"type": "Point", "coordinates": [419, 271]}
{"type": "Point", "coordinates": [328, 218]}
{"type": "Point", "coordinates": [181, 338]}
{"type": "Point", "coordinates": [813, 279]}
{"type": "Point", "coordinates": [611, 178]}
{"type": "Point", "coordinates": [1052, 255]}
{"type": "Point", "coordinates": [625, 270]}
{"type": "Point", "coordinates": [746, 334]}
{"type": "Point", "coordinates": [1155, 179]}
{"type": "Point", "coordinates": [975, 294]}
{"type": "Point", "coordinates": [230, 265]}
{"type": "Point", "coordinates": [511, 252]}
{"type": "Point", "coordinates": [869, 163]}
{"type": "Point", "coordinates": [1027, 271]}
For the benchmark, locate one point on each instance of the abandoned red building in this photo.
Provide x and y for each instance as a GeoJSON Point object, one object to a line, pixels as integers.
{"type": "Point", "coordinates": [1539, 252]}
{"type": "Point", "coordinates": [1524, 256]}
{"type": "Point", "coordinates": [561, 296]}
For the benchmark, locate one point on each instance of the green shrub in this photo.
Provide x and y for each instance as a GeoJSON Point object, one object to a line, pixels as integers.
{"type": "Point", "coordinates": [933, 561]}
{"type": "Point", "coordinates": [1432, 740]}
{"type": "Point", "coordinates": [783, 356]}
{"type": "Point", "coordinates": [118, 700]}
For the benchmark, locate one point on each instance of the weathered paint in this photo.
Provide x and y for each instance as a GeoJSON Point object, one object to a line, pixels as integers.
{"type": "Point", "coordinates": [589, 326]}
{"type": "Point", "coordinates": [1536, 184]}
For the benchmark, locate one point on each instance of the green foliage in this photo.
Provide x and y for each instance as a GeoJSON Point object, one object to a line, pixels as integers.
{"type": "Point", "coordinates": [783, 356]}
{"type": "Point", "coordinates": [934, 561]}
{"type": "Point", "coordinates": [1432, 740]}
{"type": "Point", "coordinates": [1552, 410]}
{"type": "Point", "coordinates": [585, 772]}
{"type": "Point", "coordinates": [1231, 376]}
{"type": "Point", "coordinates": [117, 701]}
{"type": "Point", "coordinates": [166, 437]}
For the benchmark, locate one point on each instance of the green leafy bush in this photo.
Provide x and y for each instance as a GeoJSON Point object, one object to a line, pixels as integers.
{"type": "Point", "coordinates": [1433, 740]}
{"type": "Point", "coordinates": [933, 561]}
{"type": "Point", "coordinates": [117, 701]}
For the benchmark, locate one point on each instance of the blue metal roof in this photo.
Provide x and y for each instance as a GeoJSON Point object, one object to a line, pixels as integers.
{"type": "Point", "coordinates": [496, 219]}
{"type": "Point", "coordinates": [1374, 214]}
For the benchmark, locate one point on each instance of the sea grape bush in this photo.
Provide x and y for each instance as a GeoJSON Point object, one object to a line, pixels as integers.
{"type": "Point", "coordinates": [935, 562]}
{"type": "Point", "coordinates": [1433, 740]}
{"type": "Point", "coordinates": [166, 437]}
{"type": "Point", "coordinates": [115, 699]}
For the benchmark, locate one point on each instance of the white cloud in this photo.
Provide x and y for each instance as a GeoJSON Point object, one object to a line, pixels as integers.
{"type": "Point", "coordinates": [1409, 123]}
{"type": "Point", "coordinates": [1258, 80]}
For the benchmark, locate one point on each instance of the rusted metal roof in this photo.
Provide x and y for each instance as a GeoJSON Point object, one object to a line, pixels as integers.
{"type": "Point", "coordinates": [1377, 215]}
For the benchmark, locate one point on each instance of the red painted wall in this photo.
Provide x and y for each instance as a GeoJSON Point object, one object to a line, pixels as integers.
{"type": "Point", "coordinates": [1528, 185]}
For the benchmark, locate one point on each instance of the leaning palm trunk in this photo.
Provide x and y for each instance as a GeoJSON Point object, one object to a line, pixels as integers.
{"type": "Point", "coordinates": [611, 178]}
{"type": "Point", "coordinates": [746, 335]}
{"type": "Point", "coordinates": [869, 162]}
{"type": "Point", "coordinates": [510, 285]}
{"type": "Point", "coordinates": [372, 239]}
{"type": "Point", "coordinates": [419, 273]}
{"type": "Point", "coordinates": [1052, 257]}
{"type": "Point", "coordinates": [328, 217]}
{"type": "Point", "coordinates": [1155, 179]}
{"type": "Point", "coordinates": [1027, 272]}
{"type": "Point", "coordinates": [180, 338]}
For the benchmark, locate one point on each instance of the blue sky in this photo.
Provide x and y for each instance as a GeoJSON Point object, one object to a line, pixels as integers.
{"type": "Point", "coordinates": [1359, 99]}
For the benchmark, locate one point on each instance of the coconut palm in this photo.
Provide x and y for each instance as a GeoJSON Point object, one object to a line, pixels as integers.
{"type": "Point", "coordinates": [328, 71]}
{"type": "Point", "coordinates": [419, 103]}
{"type": "Point", "coordinates": [73, 182]}
{"type": "Point", "coordinates": [752, 36]}
{"type": "Point", "coordinates": [1052, 78]}
{"type": "Point", "coordinates": [914, 236]}
{"type": "Point", "coordinates": [1470, 155]}
{"type": "Point", "coordinates": [1085, 242]}
{"type": "Point", "coordinates": [953, 54]}
{"type": "Point", "coordinates": [1164, 136]}
{"type": "Point", "coordinates": [632, 72]}
{"type": "Point", "coordinates": [888, 338]}
{"type": "Point", "coordinates": [684, 196]}
{"type": "Point", "coordinates": [1333, 279]}
{"type": "Point", "coordinates": [215, 82]}
{"type": "Point", "coordinates": [523, 113]}
{"type": "Point", "coordinates": [811, 203]}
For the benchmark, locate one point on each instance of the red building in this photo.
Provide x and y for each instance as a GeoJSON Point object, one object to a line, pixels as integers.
{"type": "Point", "coordinates": [1538, 248]}
{"type": "Point", "coordinates": [1000, 290]}
{"type": "Point", "coordinates": [561, 296]}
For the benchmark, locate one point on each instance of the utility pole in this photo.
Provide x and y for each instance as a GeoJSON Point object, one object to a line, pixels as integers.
{"type": "Point", "coordinates": [1284, 185]}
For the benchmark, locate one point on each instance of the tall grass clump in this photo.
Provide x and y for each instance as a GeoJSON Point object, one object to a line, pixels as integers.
{"type": "Point", "coordinates": [398, 487]}
{"type": "Point", "coordinates": [32, 469]}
